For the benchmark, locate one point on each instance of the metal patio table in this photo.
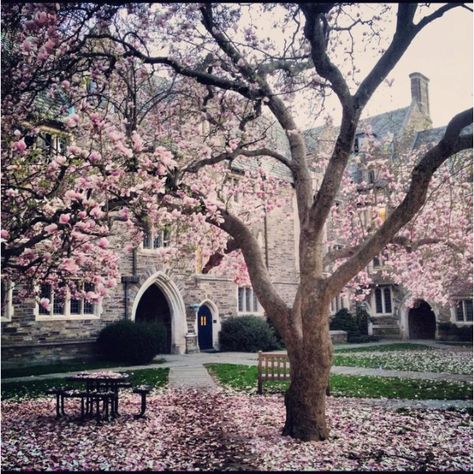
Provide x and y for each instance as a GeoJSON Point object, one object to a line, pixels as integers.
{"type": "Point", "coordinates": [101, 386]}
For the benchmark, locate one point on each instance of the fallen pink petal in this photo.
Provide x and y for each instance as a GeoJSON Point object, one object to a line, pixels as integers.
{"type": "Point", "coordinates": [199, 430]}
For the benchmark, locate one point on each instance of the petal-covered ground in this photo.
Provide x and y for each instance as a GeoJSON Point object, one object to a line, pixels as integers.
{"type": "Point", "coordinates": [442, 360]}
{"type": "Point", "coordinates": [195, 430]}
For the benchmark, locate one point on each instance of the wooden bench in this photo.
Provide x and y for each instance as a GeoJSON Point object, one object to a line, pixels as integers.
{"type": "Point", "coordinates": [274, 366]}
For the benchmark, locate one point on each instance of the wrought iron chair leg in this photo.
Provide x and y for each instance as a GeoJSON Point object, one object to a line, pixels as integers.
{"type": "Point", "coordinates": [83, 409]}
{"type": "Point", "coordinates": [97, 407]}
{"type": "Point", "coordinates": [143, 406]}
{"type": "Point", "coordinates": [62, 405]}
{"type": "Point", "coordinates": [58, 405]}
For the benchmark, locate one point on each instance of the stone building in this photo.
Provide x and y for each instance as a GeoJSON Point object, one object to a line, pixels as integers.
{"type": "Point", "coordinates": [401, 131]}
{"type": "Point", "coordinates": [193, 305]}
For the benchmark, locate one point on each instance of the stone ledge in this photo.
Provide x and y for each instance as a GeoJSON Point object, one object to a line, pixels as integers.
{"type": "Point", "coordinates": [48, 344]}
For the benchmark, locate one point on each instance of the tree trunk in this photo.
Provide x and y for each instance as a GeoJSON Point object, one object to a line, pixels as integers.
{"type": "Point", "coordinates": [305, 399]}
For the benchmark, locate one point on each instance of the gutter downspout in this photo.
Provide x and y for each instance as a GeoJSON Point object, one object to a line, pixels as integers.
{"type": "Point", "coordinates": [129, 280]}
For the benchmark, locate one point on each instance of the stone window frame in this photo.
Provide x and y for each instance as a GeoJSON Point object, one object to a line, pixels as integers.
{"type": "Point", "coordinates": [66, 314]}
{"type": "Point", "coordinates": [59, 140]}
{"type": "Point", "coordinates": [253, 299]}
{"type": "Point", "coordinates": [165, 235]}
{"type": "Point", "coordinates": [384, 312]}
{"type": "Point", "coordinates": [9, 309]}
{"type": "Point", "coordinates": [454, 312]}
{"type": "Point", "coordinates": [338, 303]}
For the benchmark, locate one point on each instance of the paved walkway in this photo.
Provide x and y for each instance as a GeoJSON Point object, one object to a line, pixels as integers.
{"type": "Point", "coordinates": [187, 370]}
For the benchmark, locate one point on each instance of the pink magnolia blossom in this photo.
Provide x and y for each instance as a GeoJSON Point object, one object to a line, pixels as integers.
{"type": "Point", "coordinates": [103, 243]}
{"type": "Point", "coordinates": [20, 145]}
{"type": "Point", "coordinates": [51, 228]}
{"type": "Point", "coordinates": [70, 266]}
{"type": "Point", "coordinates": [44, 302]}
{"type": "Point", "coordinates": [64, 218]}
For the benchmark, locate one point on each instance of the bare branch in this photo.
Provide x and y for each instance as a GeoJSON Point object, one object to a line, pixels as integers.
{"type": "Point", "coordinates": [200, 76]}
{"type": "Point", "coordinates": [438, 14]}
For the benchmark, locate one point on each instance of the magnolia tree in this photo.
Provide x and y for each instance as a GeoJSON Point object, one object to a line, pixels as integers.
{"type": "Point", "coordinates": [178, 95]}
{"type": "Point", "coordinates": [134, 160]}
{"type": "Point", "coordinates": [431, 256]}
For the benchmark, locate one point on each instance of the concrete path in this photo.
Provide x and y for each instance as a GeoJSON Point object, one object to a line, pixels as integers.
{"type": "Point", "coordinates": [193, 375]}
{"type": "Point", "coordinates": [187, 370]}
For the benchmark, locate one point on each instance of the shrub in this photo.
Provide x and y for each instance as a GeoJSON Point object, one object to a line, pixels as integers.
{"type": "Point", "coordinates": [129, 342]}
{"type": "Point", "coordinates": [363, 338]}
{"type": "Point", "coordinates": [464, 333]}
{"type": "Point", "coordinates": [357, 326]}
{"type": "Point", "coordinates": [452, 331]}
{"type": "Point", "coordinates": [362, 319]}
{"type": "Point", "coordinates": [247, 334]}
{"type": "Point", "coordinates": [344, 321]}
{"type": "Point", "coordinates": [160, 334]}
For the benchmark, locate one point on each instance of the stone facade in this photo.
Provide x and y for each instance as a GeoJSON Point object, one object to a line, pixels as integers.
{"type": "Point", "coordinates": [402, 131]}
{"type": "Point", "coordinates": [30, 338]}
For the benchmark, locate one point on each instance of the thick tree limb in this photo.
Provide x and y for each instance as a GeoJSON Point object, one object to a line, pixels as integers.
{"type": "Point", "coordinates": [299, 168]}
{"type": "Point", "coordinates": [266, 293]}
{"type": "Point", "coordinates": [450, 144]}
{"type": "Point", "coordinates": [216, 258]}
{"type": "Point", "coordinates": [405, 242]}
{"type": "Point", "coordinates": [314, 31]}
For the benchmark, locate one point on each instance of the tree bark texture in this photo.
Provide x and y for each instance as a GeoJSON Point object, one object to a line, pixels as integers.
{"type": "Point", "coordinates": [305, 399]}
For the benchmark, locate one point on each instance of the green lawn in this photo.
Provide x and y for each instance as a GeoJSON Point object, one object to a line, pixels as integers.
{"type": "Point", "coordinates": [402, 346]}
{"type": "Point", "coordinates": [418, 361]}
{"type": "Point", "coordinates": [63, 367]}
{"type": "Point", "coordinates": [34, 389]}
{"type": "Point", "coordinates": [242, 377]}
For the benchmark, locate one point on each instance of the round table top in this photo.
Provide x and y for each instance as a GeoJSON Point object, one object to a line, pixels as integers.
{"type": "Point", "coordinates": [106, 375]}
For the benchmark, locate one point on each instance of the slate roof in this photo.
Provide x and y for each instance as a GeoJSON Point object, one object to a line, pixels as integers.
{"type": "Point", "coordinates": [434, 135]}
{"type": "Point", "coordinates": [380, 125]}
{"type": "Point", "coordinates": [55, 109]}
{"type": "Point", "coordinates": [384, 124]}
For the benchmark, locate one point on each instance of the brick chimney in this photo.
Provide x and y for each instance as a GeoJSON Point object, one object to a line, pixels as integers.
{"type": "Point", "coordinates": [419, 92]}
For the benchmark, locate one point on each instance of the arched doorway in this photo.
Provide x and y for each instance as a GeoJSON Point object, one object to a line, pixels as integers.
{"type": "Point", "coordinates": [205, 328]}
{"type": "Point", "coordinates": [175, 304]}
{"type": "Point", "coordinates": [421, 321]}
{"type": "Point", "coordinates": [153, 307]}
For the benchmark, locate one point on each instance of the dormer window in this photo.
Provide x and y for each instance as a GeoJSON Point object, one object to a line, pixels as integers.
{"type": "Point", "coordinates": [51, 144]}
{"type": "Point", "coordinates": [360, 142]}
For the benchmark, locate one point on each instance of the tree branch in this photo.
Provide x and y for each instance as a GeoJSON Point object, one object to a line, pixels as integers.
{"type": "Point", "coordinates": [200, 76]}
{"type": "Point", "coordinates": [269, 298]}
{"type": "Point", "coordinates": [415, 197]}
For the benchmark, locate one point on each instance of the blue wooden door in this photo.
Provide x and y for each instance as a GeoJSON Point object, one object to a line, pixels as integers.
{"type": "Point", "coordinates": [205, 328]}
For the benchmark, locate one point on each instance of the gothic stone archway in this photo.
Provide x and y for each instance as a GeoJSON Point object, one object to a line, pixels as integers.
{"type": "Point", "coordinates": [421, 321]}
{"type": "Point", "coordinates": [161, 298]}
{"type": "Point", "coordinates": [153, 307]}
